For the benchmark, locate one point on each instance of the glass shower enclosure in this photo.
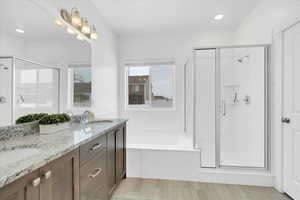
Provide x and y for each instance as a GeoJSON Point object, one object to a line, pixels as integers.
{"type": "Point", "coordinates": [27, 87]}
{"type": "Point", "coordinates": [231, 106]}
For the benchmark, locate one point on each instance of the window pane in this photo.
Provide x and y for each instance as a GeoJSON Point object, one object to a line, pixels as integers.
{"type": "Point", "coordinates": [26, 90]}
{"type": "Point", "coordinates": [138, 85]}
{"type": "Point", "coordinates": [82, 86]}
{"type": "Point", "coordinates": [46, 88]}
{"type": "Point", "coordinates": [151, 85]}
{"type": "Point", "coordinates": [162, 86]}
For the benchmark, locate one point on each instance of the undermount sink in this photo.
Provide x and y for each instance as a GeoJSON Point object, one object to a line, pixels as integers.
{"type": "Point", "coordinates": [11, 156]}
{"type": "Point", "coordinates": [100, 121]}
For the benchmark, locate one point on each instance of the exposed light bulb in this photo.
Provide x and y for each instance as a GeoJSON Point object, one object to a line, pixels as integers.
{"type": "Point", "coordinates": [219, 17]}
{"type": "Point", "coordinates": [80, 37]}
{"type": "Point", "coordinates": [94, 34]}
{"type": "Point", "coordinates": [71, 31]}
{"type": "Point", "coordinates": [58, 23]}
{"type": "Point", "coordinates": [85, 28]}
{"type": "Point", "coordinates": [75, 17]}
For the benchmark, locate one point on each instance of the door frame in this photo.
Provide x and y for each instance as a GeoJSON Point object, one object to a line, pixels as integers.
{"type": "Point", "coordinates": [267, 107]}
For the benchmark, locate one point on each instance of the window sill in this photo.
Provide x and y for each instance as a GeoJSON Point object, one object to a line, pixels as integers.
{"type": "Point", "coordinates": [149, 109]}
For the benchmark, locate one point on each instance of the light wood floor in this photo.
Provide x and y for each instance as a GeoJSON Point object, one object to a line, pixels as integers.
{"type": "Point", "coordinates": [149, 189]}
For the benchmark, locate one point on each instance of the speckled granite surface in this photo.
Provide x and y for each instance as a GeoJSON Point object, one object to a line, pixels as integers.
{"type": "Point", "coordinates": [7, 132]}
{"type": "Point", "coordinates": [37, 150]}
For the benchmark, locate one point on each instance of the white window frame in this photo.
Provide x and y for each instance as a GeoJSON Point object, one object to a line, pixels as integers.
{"type": "Point", "coordinates": [148, 107]}
{"type": "Point", "coordinates": [71, 87]}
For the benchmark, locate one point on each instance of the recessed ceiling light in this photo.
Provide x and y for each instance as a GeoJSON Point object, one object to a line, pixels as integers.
{"type": "Point", "coordinates": [20, 30]}
{"type": "Point", "coordinates": [219, 17]}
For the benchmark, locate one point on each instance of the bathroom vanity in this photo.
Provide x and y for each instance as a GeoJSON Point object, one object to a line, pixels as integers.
{"type": "Point", "coordinates": [85, 162]}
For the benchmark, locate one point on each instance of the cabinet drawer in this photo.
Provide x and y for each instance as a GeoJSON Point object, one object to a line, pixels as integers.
{"type": "Point", "coordinates": [92, 149]}
{"type": "Point", "coordinates": [93, 175]}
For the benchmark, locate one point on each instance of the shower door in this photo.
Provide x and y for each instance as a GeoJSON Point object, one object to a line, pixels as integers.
{"type": "Point", "coordinates": [5, 91]}
{"type": "Point", "coordinates": [242, 134]}
{"type": "Point", "coordinates": [36, 88]}
{"type": "Point", "coordinates": [230, 106]}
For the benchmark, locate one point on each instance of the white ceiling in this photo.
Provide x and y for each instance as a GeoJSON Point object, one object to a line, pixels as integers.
{"type": "Point", "coordinates": [33, 19]}
{"type": "Point", "coordinates": [129, 17]}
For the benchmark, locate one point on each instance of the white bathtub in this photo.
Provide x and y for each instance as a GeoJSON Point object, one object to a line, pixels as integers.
{"type": "Point", "coordinates": [170, 155]}
{"type": "Point", "coordinates": [159, 140]}
{"type": "Point", "coordinates": [162, 155]}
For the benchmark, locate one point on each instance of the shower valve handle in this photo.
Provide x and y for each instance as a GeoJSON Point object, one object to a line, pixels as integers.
{"type": "Point", "coordinates": [285, 120]}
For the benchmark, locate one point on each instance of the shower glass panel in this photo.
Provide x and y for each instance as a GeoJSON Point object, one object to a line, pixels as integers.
{"type": "Point", "coordinates": [243, 111]}
{"type": "Point", "coordinates": [36, 88]}
{"type": "Point", "coordinates": [5, 91]}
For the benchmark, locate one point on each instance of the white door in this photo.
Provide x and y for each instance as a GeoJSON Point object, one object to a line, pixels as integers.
{"type": "Point", "coordinates": [291, 120]}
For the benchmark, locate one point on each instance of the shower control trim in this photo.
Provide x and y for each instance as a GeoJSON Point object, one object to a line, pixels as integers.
{"type": "Point", "coordinates": [2, 100]}
{"type": "Point", "coordinates": [285, 120]}
{"type": "Point", "coordinates": [224, 107]}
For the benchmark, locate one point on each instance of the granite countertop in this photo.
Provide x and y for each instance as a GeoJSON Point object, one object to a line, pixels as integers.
{"type": "Point", "coordinates": [21, 155]}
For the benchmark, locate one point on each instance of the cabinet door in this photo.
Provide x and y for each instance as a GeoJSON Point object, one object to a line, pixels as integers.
{"type": "Point", "coordinates": [111, 161]}
{"type": "Point", "coordinates": [60, 178]}
{"type": "Point", "coordinates": [120, 154]}
{"type": "Point", "coordinates": [93, 180]}
{"type": "Point", "coordinates": [27, 188]}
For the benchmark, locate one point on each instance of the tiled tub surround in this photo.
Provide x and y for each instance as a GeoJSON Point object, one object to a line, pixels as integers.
{"type": "Point", "coordinates": [38, 150]}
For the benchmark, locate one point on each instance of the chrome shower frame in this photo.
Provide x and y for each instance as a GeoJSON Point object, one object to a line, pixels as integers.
{"type": "Point", "coordinates": [13, 76]}
{"type": "Point", "coordinates": [267, 106]}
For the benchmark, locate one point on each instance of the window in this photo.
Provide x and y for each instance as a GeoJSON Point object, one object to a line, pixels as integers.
{"type": "Point", "coordinates": [150, 85]}
{"type": "Point", "coordinates": [36, 88]}
{"type": "Point", "coordinates": [80, 85]}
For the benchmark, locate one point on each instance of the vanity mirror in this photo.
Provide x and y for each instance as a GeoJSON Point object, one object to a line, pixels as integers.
{"type": "Point", "coordinates": [43, 69]}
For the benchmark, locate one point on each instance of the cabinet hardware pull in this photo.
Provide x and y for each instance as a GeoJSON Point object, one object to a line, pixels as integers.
{"type": "Point", "coordinates": [47, 175]}
{"type": "Point", "coordinates": [96, 146]}
{"type": "Point", "coordinates": [98, 171]}
{"type": "Point", "coordinates": [36, 182]}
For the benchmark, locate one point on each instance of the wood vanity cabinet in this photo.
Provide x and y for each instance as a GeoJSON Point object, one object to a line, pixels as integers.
{"type": "Point", "coordinates": [90, 172]}
{"type": "Point", "coordinates": [111, 162]}
{"type": "Point", "coordinates": [58, 180]}
{"type": "Point", "coordinates": [93, 170]}
{"type": "Point", "coordinates": [120, 154]}
{"type": "Point", "coordinates": [23, 189]}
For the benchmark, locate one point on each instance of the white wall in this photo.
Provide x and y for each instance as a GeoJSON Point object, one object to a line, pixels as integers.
{"type": "Point", "coordinates": [263, 26]}
{"type": "Point", "coordinates": [161, 47]}
{"type": "Point", "coordinates": [268, 16]}
{"type": "Point", "coordinates": [11, 45]}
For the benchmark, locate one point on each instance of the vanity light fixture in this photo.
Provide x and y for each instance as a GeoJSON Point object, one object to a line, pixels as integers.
{"type": "Point", "coordinates": [75, 17]}
{"type": "Point", "coordinates": [20, 30]}
{"type": "Point", "coordinates": [58, 23]}
{"type": "Point", "coordinates": [77, 25]}
{"type": "Point", "coordinates": [79, 37]}
{"type": "Point", "coordinates": [71, 31]}
{"type": "Point", "coordinates": [85, 28]}
{"type": "Point", "coordinates": [94, 34]}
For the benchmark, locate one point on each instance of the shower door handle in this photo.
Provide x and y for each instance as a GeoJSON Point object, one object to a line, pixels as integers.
{"type": "Point", "coordinates": [223, 107]}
